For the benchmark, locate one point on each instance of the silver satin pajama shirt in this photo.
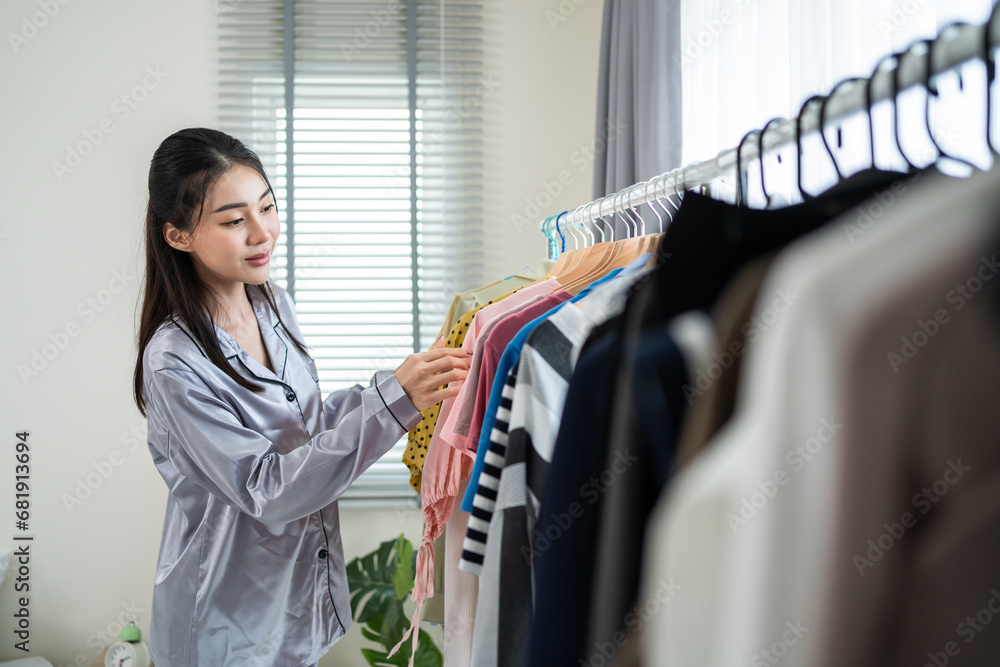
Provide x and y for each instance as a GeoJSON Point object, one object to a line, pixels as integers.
{"type": "Point", "coordinates": [251, 567]}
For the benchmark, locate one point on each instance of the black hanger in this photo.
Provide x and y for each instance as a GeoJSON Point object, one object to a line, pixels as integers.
{"type": "Point", "coordinates": [912, 168]}
{"type": "Point", "coordinates": [741, 195]}
{"type": "Point", "coordinates": [871, 179]}
{"type": "Point", "coordinates": [760, 157]}
{"type": "Point", "coordinates": [798, 147]}
{"type": "Point", "coordinates": [822, 126]}
{"type": "Point", "coordinates": [868, 101]}
{"type": "Point", "coordinates": [853, 190]}
{"type": "Point", "coordinates": [989, 59]}
{"type": "Point", "coordinates": [932, 90]}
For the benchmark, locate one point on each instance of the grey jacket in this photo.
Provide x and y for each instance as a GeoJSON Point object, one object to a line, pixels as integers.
{"type": "Point", "coordinates": [251, 565]}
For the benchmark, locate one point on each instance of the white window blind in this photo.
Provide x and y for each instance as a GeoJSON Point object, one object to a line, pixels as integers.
{"type": "Point", "coordinates": [368, 118]}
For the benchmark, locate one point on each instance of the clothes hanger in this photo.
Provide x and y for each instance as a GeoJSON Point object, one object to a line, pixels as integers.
{"type": "Point", "coordinates": [603, 253]}
{"type": "Point", "coordinates": [682, 176]}
{"type": "Point", "coordinates": [768, 199]}
{"type": "Point", "coordinates": [576, 253]}
{"type": "Point", "coordinates": [595, 225]}
{"type": "Point", "coordinates": [741, 186]}
{"type": "Point", "coordinates": [655, 237]}
{"type": "Point", "coordinates": [698, 260]}
{"type": "Point", "coordinates": [656, 199]}
{"type": "Point", "coordinates": [620, 255]}
{"type": "Point", "coordinates": [584, 233]}
{"type": "Point", "coordinates": [822, 126]}
{"type": "Point", "coordinates": [650, 240]}
{"type": "Point", "coordinates": [649, 203]}
{"type": "Point", "coordinates": [566, 259]}
{"type": "Point", "coordinates": [632, 245]}
{"type": "Point", "coordinates": [590, 261]}
{"type": "Point", "coordinates": [932, 90]}
{"type": "Point", "coordinates": [989, 58]}
{"type": "Point", "coordinates": [640, 224]}
{"type": "Point", "coordinates": [874, 178]}
{"type": "Point", "coordinates": [859, 187]}
{"type": "Point", "coordinates": [553, 246]}
{"type": "Point", "coordinates": [703, 251]}
{"type": "Point", "coordinates": [912, 168]}
{"type": "Point", "coordinates": [798, 147]}
{"type": "Point", "coordinates": [734, 225]}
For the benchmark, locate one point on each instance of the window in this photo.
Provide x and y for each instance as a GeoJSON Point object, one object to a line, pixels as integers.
{"type": "Point", "coordinates": [368, 118]}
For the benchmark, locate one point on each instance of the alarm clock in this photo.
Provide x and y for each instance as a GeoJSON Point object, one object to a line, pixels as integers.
{"type": "Point", "coordinates": [131, 650]}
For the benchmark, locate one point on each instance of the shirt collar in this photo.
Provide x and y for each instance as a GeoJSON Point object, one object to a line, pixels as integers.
{"type": "Point", "coordinates": [265, 317]}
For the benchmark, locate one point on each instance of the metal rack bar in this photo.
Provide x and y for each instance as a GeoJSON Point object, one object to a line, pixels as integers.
{"type": "Point", "coordinates": [953, 48]}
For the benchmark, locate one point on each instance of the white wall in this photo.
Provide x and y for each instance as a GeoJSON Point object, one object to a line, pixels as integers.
{"type": "Point", "coordinates": [541, 122]}
{"type": "Point", "coordinates": [70, 258]}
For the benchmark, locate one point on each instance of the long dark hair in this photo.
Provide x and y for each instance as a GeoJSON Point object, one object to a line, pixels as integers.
{"type": "Point", "coordinates": [182, 172]}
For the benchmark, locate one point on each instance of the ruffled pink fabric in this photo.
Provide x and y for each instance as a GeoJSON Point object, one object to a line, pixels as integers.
{"type": "Point", "coordinates": [444, 469]}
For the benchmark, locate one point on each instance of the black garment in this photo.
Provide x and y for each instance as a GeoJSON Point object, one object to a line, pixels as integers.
{"type": "Point", "coordinates": [645, 426]}
{"type": "Point", "coordinates": [567, 520]}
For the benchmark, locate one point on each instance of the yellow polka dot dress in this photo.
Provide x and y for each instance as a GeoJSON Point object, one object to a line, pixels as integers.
{"type": "Point", "coordinates": [420, 437]}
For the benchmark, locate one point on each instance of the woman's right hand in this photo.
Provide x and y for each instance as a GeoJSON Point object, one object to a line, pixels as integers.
{"type": "Point", "coordinates": [422, 374]}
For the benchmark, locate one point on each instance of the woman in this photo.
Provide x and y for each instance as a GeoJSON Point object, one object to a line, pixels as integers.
{"type": "Point", "coordinates": [251, 565]}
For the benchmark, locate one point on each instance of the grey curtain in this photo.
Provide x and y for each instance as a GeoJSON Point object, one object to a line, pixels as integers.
{"type": "Point", "coordinates": [639, 94]}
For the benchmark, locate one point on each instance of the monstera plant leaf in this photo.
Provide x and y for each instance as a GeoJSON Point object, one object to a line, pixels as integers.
{"type": "Point", "coordinates": [372, 582]}
{"type": "Point", "coordinates": [404, 573]}
{"type": "Point", "coordinates": [380, 582]}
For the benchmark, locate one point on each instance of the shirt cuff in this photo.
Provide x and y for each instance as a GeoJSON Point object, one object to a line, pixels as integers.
{"type": "Point", "coordinates": [396, 401]}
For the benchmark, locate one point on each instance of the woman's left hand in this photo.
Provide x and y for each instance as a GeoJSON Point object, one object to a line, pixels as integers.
{"type": "Point", "coordinates": [422, 374]}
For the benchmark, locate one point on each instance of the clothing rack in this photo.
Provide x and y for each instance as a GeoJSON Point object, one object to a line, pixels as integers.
{"type": "Point", "coordinates": [954, 46]}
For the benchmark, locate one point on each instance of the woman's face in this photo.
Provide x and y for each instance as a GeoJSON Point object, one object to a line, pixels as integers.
{"type": "Point", "coordinates": [239, 228]}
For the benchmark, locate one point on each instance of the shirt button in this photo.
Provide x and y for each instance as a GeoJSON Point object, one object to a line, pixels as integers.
{"type": "Point", "coordinates": [290, 396]}
{"type": "Point", "coordinates": [322, 553]}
